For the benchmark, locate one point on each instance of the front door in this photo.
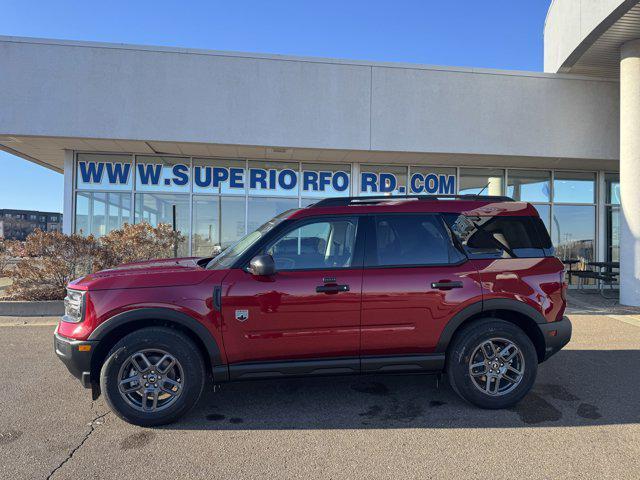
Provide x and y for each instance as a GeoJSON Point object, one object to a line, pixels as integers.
{"type": "Point", "coordinates": [306, 317]}
{"type": "Point", "coordinates": [414, 281]}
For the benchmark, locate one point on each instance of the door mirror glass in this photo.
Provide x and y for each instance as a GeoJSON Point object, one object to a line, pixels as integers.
{"type": "Point", "coordinates": [262, 265]}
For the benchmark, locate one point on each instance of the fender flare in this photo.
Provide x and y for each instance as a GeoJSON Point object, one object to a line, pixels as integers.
{"type": "Point", "coordinates": [485, 306]}
{"type": "Point", "coordinates": [184, 320]}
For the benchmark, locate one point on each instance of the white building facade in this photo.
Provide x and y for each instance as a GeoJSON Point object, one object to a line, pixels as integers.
{"type": "Point", "coordinates": [218, 142]}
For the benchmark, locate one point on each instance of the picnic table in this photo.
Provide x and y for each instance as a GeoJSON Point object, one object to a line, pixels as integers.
{"type": "Point", "coordinates": [608, 265]}
{"type": "Point", "coordinates": [602, 273]}
{"type": "Point", "coordinates": [570, 262]}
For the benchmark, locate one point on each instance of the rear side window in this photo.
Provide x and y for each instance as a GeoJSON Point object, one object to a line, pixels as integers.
{"type": "Point", "coordinates": [411, 240]}
{"type": "Point", "coordinates": [500, 237]}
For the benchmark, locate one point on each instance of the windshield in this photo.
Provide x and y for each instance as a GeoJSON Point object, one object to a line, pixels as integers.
{"type": "Point", "coordinates": [229, 256]}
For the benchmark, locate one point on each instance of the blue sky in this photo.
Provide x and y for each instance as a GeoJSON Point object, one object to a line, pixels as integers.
{"type": "Point", "coordinates": [503, 34]}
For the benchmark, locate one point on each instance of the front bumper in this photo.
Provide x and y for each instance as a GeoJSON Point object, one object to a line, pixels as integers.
{"type": "Point", "coordinates": [556, 335]}
{"type": "Point", "coordinates": [76, 355]}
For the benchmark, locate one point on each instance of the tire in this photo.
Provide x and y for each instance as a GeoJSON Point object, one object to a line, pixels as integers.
{"type": "Point", "coordinates": [175, 388]}
{"type": "Point", "coordinates": [470, 383]}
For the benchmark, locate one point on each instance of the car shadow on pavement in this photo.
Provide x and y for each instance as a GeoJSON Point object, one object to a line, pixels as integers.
{"type": "Point", "coordinates": [574, 388]}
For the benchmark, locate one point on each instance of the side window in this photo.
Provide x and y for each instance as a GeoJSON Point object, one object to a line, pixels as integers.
{"type": "Point", "coordinates": [322, 244]}
{"type": "Point", "coordinates": [412, 240]}
{"type": "Point", "coordinates": [499, 237]}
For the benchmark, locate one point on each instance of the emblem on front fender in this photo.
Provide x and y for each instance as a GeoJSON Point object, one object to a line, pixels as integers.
{"type": "Point", "coordinates": [242, 315]}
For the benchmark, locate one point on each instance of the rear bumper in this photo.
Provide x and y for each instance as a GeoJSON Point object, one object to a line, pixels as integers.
{"type": "Point", "coordinates": [556, 335]}
{"type": "Point", "coordinates": [76, 355]}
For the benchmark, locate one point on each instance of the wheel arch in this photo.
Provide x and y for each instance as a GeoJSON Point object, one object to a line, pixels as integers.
{"type": "Point", "coordinates": [519, 313]}
{"type": "Point", "coordinates": [112, 330]}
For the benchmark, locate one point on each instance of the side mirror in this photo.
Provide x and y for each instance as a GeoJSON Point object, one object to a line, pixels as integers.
{"type": "Point", "coordinates": [262, 265]}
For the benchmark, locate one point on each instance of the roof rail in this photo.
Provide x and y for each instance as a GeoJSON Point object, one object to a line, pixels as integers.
{"type": "Point", "coordinates": [345, 201]}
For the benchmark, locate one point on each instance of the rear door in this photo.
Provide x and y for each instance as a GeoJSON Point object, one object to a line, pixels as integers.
{"type": "Point", "coordinates": [308, 311]}
{"type": "Point", "coordinates": [414, 281]}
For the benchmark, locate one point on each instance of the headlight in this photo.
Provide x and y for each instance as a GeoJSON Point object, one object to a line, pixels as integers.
{"type": "Point", "coordinates": [73, 306]}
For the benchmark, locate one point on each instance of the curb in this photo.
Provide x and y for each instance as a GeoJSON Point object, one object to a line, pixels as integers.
{"type": "Point", "coordinates": [48, 308]}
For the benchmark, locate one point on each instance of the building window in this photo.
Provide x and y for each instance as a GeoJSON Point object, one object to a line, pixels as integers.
{"type": "Point", "coordinates": [573, 229]}
{"type": "Point", "coordinates": [261, 209]}
{"type": "Point", "coordinates": [574, 187]}
{"type": "Point", "coordinates": [172, 209]}
{"type": "Point", "coordinates": [545, 215]}
{"type": "Point", "coordinates": [383, 180]}
{"type": "Point", "coordinates": [166, 174]}
{"type": "Point", "coordinates": [217, 223]}
{"type": "Point", "coordinates": [485, 181]}
{"type": "Point", "coordinates": [432, 180]}
{"type": "Point", "coordinates": [272, 189]}
{"type": "Point", "coordinates": [220, 177]}
{"type": "Point", "coordinates": [273, 179]}
{"type": "Point", "coordinates": [104, 172]}
{"type": "Point", "coordinates": [532, 186]}
{"type": "Point", "coordinates": [219, 200]}
{"type": "Point", "coordinates": [574, 217]}
{"type": "Point", "coordinates": [574, 232]}
{"type": "Point", "coordinates": [97, 213]}
{"type": "Point", "coordinates": [612, 209]}
{"type": "Point", "coordinates": [321, 180]}
{"type": "Point", "coordinates": [529, 185]}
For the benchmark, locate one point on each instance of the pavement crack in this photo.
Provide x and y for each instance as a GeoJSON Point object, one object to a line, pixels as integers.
{"type": "Point", "coordinates": [95, 422]}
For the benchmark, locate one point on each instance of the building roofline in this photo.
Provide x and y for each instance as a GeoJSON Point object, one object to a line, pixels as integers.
{"type": "Point", "coordinates": [293, 58]}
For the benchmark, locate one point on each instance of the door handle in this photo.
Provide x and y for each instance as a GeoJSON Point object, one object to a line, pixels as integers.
{"type": "Point", "coordinates": [332, 288]}
{"type": "Point", "coordinates": [444, 285]}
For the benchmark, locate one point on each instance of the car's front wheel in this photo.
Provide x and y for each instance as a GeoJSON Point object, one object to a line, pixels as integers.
{"type": "Point", "coordinates": [492, 363]}
{"type": "Point", "coordinates": [152, 376]}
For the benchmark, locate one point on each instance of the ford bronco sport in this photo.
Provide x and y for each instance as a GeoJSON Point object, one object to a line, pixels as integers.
{"type": "Point", "coordinates": [466, 285]}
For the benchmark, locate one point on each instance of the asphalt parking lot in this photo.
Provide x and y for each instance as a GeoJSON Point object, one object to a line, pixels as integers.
{"type": "Point", "coordinates": [581, 421]}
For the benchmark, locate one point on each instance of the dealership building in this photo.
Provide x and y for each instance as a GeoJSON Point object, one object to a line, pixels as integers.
{"type": "Point", "coordinates": [218, 142]}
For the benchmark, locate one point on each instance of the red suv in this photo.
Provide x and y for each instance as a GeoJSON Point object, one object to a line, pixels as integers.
{"type": "Point", "coordinates": [465, 285]}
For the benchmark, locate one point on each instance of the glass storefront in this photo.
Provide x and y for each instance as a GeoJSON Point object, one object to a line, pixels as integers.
{"type": "Point", "coordinates": [574, 213]}
{"type": "Point", "coordinates": [529, 185]}
{"type": "Point", "coordinates": [574, 232]}
{"type": "Point", "coordinates": [217, 222]}
{"type": "Point", "coordinates": [383, 180]}
{"type": "Point", "coordinates": [481, 181]}
{"type": "Point", "coordinates": [97, 213]}
{"type": "Point", "coordinates": [170, 208]}
{"type": "Point", "coordinates": [214, 202]}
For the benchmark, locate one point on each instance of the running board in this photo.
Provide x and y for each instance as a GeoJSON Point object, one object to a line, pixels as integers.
{"type": "Point", "coordinates": [433, 363]}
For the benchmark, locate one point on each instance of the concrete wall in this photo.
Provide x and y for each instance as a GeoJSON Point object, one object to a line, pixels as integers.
{"type": "Point", "coordinates": [569, 23]}
{"type": "Point", "coordinates": [441, 111]}
{"type": "Point", "coordinates": [73, 89]}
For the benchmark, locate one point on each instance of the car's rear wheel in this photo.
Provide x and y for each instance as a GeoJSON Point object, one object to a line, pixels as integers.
{"type": "Point", "coordinates": [152, 376]}
{"type": "Point", "coordinates": [492, 363]}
